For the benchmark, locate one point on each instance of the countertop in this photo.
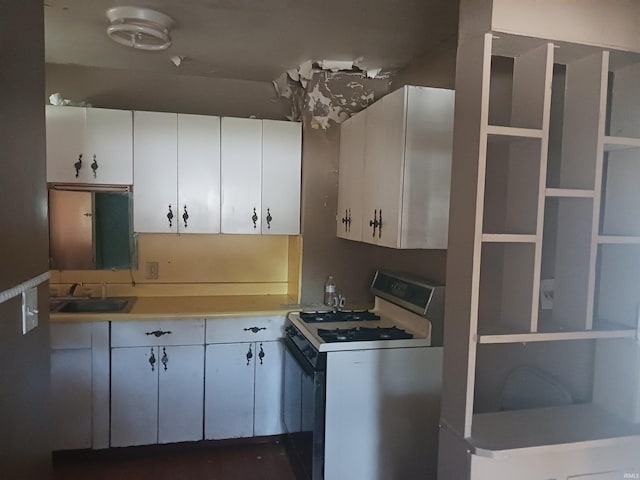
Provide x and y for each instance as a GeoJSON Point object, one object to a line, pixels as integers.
{"type": "Point", "coordinates": [190, 307]}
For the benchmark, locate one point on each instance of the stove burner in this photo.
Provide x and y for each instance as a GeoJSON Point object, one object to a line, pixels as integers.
{"type": "Point", "coordinates": [338, 316]}
{"type": "Point", "coordinates": [360, 334]}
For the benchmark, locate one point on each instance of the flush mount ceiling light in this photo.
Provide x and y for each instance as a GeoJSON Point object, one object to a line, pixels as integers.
{"type": "Point", "coordinates": [139, 28]}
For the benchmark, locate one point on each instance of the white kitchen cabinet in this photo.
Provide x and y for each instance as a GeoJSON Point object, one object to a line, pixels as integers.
{"type": "Point", "coordinates": [80, 385]}
{"type": "Point", "coordinates": [260, 176]}
{"type": "Point", "coordinates": [155, 170]}
{"type": "Point", "coordinates": [89, 145]}
{"type": "Point", "coordinates": [243, 389]}
{"type": "Point", "coordinates": [243, 383]}
{"type": "Point", "coordinates": [176, 173]}
{"type": "Point", "coordinates": [408, 137]}
{"type": "Point", "coordinates": [241, 175]}
{"type": "Point", "coordinates": [157, 387]}
{"type": "Point", "coordinates": [281, 157]}
{"type": "Point", "coordinates": [350, 177]}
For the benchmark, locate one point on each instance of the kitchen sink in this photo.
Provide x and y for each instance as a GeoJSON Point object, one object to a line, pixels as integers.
{"type": "Point", "coordinates": [96, 305]}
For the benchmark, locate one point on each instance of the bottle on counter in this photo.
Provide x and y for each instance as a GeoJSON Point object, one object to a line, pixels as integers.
{"type": "Point", "coordinates": [329, 291]}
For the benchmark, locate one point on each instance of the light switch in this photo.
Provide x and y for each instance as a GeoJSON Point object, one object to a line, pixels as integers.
{"type": "Point", "coordinates": [29, 310]}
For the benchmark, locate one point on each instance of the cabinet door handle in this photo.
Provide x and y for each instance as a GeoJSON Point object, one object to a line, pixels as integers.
{"type": "Point", "coordinates": [345, 219]}
{"type": "Point", "coordinates": [185, 216]}
{"type": "Point", "coordinates": [165, 358]}
{"type": "Point", "coordinates": [94, 165]}
{"type": "Point", "coordinates": [249, 355]}
{"type": "Point", "coordinates": [78, 165]}
{"type": "Point", "coordinates": [152, 360]}
{"type": "Point", "coordinates": [374, 223]}
{"type": "Point", "coordinates": [159, 333]}
{"type": "Point", "coordinates": [261, 354]}
{"type": "Point", "coordinates": [269, 218]}
{"type": "Point", "coordinates": [254, 329]}
{"type": "Point", "coordinates": [170, 216]}
{"type": "Point", "coordinates": [380, 224]}
{"type": "Point", "coordinates": [254, 218]}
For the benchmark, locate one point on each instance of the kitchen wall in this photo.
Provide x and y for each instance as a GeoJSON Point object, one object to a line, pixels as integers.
{"type": "Point", "coordinates": [351, 263]}
{"type": "Point", "coordinates": [24, 359]}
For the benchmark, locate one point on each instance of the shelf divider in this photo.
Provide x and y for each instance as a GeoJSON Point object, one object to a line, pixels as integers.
{"type": "Point", "coordinates": [508, 238]}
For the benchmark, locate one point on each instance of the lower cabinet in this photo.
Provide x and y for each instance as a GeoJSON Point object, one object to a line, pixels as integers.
{"type": "Point", "coordinates": [243, 380]}
{"type": "Point", "coordinates": [243, 388]}
{"type": "Point", "coordinates": [157, 389]}
{"type": "Point", "coordinates": [79, 385]}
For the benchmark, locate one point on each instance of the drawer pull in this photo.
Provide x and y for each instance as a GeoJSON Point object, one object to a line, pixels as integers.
{"type": "Point", "coordinates": [158, 333]}
{"type": "Point", "coordinates": [254, 329]}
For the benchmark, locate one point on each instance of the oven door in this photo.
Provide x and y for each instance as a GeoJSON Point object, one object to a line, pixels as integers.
{"type": "Point", "coordinates": [303, 413]}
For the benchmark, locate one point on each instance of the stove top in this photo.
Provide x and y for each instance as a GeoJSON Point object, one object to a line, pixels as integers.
{"type": "Point", "coordinates": [358, 334]}
{"type": "Point", "coordinates": [338, 316]}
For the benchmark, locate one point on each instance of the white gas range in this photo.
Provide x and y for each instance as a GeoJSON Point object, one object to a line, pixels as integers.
{"type": "Point", "coordinates": [362, 388]}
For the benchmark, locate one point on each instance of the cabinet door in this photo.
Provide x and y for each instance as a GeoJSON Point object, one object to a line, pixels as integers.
{"type": "Point", "coordinates": [198, 174]}
{"type": "Point", "coordinates": [134, 396]}
{"type": "Point", "coordinates": [281, 154]}
{"type": "Point", "coordinates": [109, 141]}
{"type": "Point", "coordinates": [71, 399]}
{"type": "Point", "coordinates": [268, 388]}
{"type": "Point", "coordinates": [155, 170]}
{"type": "Point", "coordinates": [228, 411]}
{"type": "Point", "coordinates": [65, 144]}
{"type": "Point", "coordinates": [180, 393]}
{"type": "Point", "coordinates": [241, 175]}
{"type": "Point", "coordinates": [384, 151]}
{"type": "Point", "coordinates": [350, 177]}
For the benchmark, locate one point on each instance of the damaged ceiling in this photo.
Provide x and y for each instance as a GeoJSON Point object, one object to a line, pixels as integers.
{"type": "Point", "coordinates": [255, 39]}
{"type": "Point", "coordinates": [325, 59]}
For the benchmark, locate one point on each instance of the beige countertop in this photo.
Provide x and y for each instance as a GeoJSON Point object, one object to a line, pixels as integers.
{"type": "Point", "coordinates": [190, 307]}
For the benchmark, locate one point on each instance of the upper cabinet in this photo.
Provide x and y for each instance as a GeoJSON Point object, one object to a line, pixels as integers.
{"type": "Point", "coordinates": [177, 173]}
{"type": "Point", "coordinates": [260, 183]}
{"type": "Point", "coordinates": [89, 145]}
{"type": "Point", "coordinates": [395, 170]}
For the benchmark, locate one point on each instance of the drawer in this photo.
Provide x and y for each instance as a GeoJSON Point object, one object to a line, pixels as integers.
{"type": "Point", "coordinates": [147, 333]}
{"type": "Point", "coordinates": [245, 329]}
{"type": "Point", "coordinates": [65, 336]}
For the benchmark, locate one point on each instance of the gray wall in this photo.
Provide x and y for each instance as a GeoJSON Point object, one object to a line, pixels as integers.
{"type": "Point", "coordinates": [24, 360]}
{"type": "Point", "coordinates": [351, 263]}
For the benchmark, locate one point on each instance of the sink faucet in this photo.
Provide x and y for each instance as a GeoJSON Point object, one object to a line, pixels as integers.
{"type": "Point", "coordinates": [73, 287]}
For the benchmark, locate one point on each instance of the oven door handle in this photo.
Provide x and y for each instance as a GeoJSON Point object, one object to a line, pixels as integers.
{"type": "Point", "coordinates": [301, 360]}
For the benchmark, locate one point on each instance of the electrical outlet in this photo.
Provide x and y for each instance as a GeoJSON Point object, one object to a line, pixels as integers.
{"type": "Point", "coordinates": [29, 310]}
{"type": "Point", "coordinates": [151, 270]}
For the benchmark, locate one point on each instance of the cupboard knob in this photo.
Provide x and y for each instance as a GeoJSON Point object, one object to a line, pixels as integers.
{"type": "Point", "coordinates": [165, 358]}
{"type": "Point", "coordinates": [94, 166]}
{"type": "Point", "coordinates": [170, 217]}
{"type": "Point", "coordinates": [78, 165]}
{"type": "Point", "coordinates": [152, 360]}
{"type": "Point", "coordinates": [249, 355]}
{"type": "Point", "coordinates": [254, 217]}
{"type": "Point", "coordinates": [185, 216]}
{"type": "Point", "coordinates": [269, 218]}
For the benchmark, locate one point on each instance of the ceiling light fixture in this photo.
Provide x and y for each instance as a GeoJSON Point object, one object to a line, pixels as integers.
{"type": "Point", "coordinates": [139, 28]}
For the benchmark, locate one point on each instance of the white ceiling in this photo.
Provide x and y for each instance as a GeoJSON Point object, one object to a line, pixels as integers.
{"type": "Point", "coordinates": [254, 39]}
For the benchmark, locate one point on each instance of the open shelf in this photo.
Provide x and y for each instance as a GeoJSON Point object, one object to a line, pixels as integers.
{"type": "Point", "coordinates": [620, 193]}
{"type": "Point", "coordinates": [618, 240]}
{"type": "Point", "coordinates": [511, 188]}
{"type": "Point", "coordinates": [551, 429]}
{"type": "Point", "coordinates": [612, 144]}
{"type": "Point", "coordinates": [506, 286]}
{"type": "Point", "coordinates": [569, 193]}
{"type": "Point", "coordinates": [549, 331]}
{"type": "Point", "coordinates": [617, 295]}
{"type": "Point", "coordinates": [623, 102]}
{"type": "Point", "coordinates": [500, 134]}
{"type": "Point", "coordinates": [507, 238]}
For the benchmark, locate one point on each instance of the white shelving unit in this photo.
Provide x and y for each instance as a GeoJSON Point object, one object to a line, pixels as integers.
{"type": "Point", "coordinates": [545, 191]}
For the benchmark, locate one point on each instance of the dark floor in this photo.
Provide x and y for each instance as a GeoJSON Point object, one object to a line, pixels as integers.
{"type": "Point", "coordinates": [253, 461]}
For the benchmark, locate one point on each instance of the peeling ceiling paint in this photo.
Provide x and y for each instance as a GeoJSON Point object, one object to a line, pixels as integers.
{"type": "Point", "coordinates": [327, 92]}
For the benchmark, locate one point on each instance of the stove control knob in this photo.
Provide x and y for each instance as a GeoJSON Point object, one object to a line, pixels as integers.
{"type": "Point", "coordinates": [312, 353]}
{"type": "Point", "coordinates": [291, 331]}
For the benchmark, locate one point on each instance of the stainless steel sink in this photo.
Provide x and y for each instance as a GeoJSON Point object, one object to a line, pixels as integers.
{"type": "Point", "coordinates": [96, 305]}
